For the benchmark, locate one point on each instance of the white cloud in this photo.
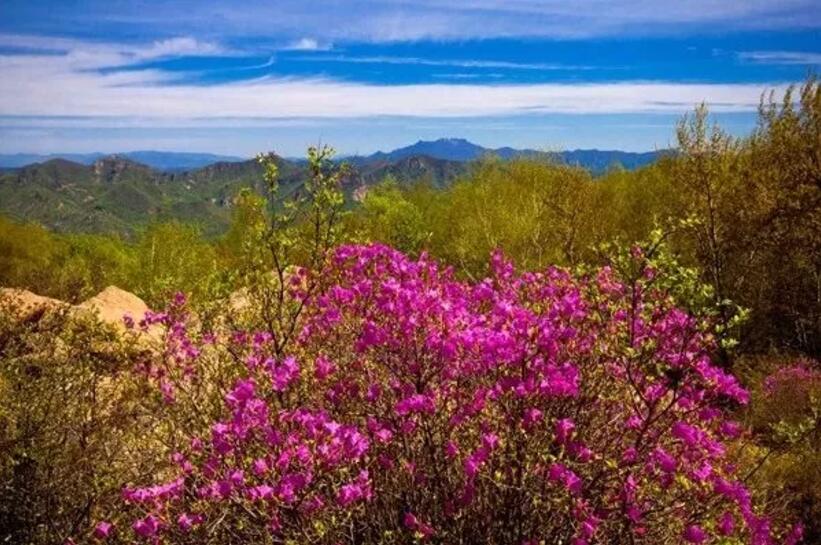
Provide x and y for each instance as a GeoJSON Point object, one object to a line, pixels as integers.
{"type": "Point", "coordinates": [41, 43]}
{"type": "Point", "coordinates": [75, 54]}
{"type": "Point", "coordinates": [175, 47]}
{"type": "Point", "coordinates": [781, 57]}
{"type": "Point", "coordinates": [50, 86]}
{"type": "Point", "coordinates": [19, 123]}
{"type": "Point", "coordinates": [444, 19]}
{"type": "Point", "coordinates": [307, 44]}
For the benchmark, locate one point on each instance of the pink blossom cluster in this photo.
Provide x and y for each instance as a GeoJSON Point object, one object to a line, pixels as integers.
{"type": "Point", "coordinates": [524, 407]}
{"type": "Point", "coordinates": [801, 375]}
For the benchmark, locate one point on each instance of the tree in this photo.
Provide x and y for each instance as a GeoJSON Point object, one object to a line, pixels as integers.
{"type": "Point", "coordinates": [783, 198]}
{"type": "Point", "coordinates": [388, 216]}
{"type": "Point", "coordinates": [172, 257]}
{"type": "Point", "coordinates": [705, 173]}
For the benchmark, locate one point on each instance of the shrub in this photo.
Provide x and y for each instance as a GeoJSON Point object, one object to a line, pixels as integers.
{"type": "Point", "coordinates": [525, 407]}
{"type": "Point", "coordinates": [786, 416]}
{"type": "Point", "coordinates": [71, 428]}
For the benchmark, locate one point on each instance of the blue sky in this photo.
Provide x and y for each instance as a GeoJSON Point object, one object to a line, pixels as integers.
{"type": "Point", "coordinates": [362, 75]}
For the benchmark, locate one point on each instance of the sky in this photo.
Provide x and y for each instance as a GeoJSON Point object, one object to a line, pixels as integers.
{"type": "Point", "coordinates": [238, 78]}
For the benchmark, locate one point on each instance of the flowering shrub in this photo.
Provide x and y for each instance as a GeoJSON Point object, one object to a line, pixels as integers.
{"type": "Point", "coordinates": [524, 408]}
{"type": "Point", "coordinates": [785, 413]}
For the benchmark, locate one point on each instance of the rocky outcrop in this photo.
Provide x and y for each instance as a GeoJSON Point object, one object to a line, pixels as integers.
{"type": "Point", "coordinates": [27, 306]}
{"type": "Point", "coordinates": [115, 168]}
{"type": "Point", "coordinates": [112, 304]}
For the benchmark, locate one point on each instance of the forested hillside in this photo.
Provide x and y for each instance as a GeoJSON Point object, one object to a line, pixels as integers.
{"type": "Point", "coordinates": [120, 195]}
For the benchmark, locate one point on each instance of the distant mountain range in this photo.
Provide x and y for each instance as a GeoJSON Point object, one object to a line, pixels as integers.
{"type": "Point", "coordinates": [449, 149]}
{"type": "Point", "coordinates": [117, 193]}
{"type": "Point", "coordinates": [162, 160]}
{"type": "Point", "coordinates": [459, 149]}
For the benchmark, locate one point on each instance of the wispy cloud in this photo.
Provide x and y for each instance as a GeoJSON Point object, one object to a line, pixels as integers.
{"type": "Point", "coordinates": [172, 47]}
{"type": "Point", "coordinates": [467, 75]}
{"type": "Point", "coordinates": [458, 63]}
{"type": "Point", "coordinates": [36, 86]}
{"type": "Point", "coordinates": [39, 43]}
{"type": "Point", "coordinates": [781, 57]}
{"type": "Point", "coordinates": [65, 55]}
{"type": "Point", "coordinates": [270, 62]}
{"type": "Point", "coordinates": [18, 122]}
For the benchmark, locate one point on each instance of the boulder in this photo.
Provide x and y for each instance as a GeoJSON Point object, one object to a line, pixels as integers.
{"type": "Point", "coordinates": [28, 306]}
{"type": "Point", "coordinates": [113, 303]}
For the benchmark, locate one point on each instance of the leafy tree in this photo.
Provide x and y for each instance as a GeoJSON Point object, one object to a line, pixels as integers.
{"type": "Point", "coordinates": [26, 255]}
{"type": "Point", "coordinates": [629, 205]}
{"type": "Point", "coordinates": [87, 264]}
{"type": "Point", "coordinates": [173, 257]}
{"type": "Point", "coordinates": [538, 211]}
{"type": "Point", "coordinates": [242, 244]}
{"type": "Point", "coordinates": [705, 175]}
{"type": "Point", "coordinates": [288, 245]}
{"type": "Point", "coordinates": [782, 204]}
{"type": "Point", "coordinates": [389, 216]}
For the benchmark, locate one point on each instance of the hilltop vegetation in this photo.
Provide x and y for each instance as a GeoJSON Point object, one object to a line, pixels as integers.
{"type": "Point", "coordinates": [409, 367]}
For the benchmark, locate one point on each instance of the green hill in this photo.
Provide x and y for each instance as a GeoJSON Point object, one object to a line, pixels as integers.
{"type": "Point", "coordinates": [117, 194]}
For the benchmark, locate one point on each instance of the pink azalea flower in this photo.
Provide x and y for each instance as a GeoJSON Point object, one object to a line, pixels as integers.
{"type": "Point", "coordinates": [695, 534]}
{"type": "Point", "coordinates": [563, 429]}
{"type": "Point", "coordinates": [103, 530]}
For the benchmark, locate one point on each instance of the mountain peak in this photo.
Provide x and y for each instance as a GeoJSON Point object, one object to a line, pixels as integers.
{"type": "Point", "coordinates": [116, 168]}
{"type": "Point", "coordinates": [119, 162]}
{"type": "Point", "coordinates": [461, 149]}
{"type": "Point", "coordinates": [454, 149]}
{"type": "Point", "coordinates": [451, 141]}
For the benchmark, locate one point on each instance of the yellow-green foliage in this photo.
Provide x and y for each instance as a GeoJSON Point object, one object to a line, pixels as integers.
{"type": "Point", "coordinates": [173, 257]}
{"type": "Point", "coordinates": [389, 215]}
{"type": "Point", "coordinates": [537, 211]}
{"type": "Point", "coordinates": [629, 205]}
{"type": "Point", "coordinates": [69, 423]}
{"type": "Point", "coordinates": [27, 251]}
{"type": "Point", "coordinates": [167, 257]}
{"type": "Point", "coordinates": [70, 267]}
{"type": "Point", "coordinates": [242, 244]}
